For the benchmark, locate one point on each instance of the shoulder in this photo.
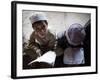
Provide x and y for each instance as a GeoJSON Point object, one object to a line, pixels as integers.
{"type": "Point", "coordinates": [60, 35]}
{"type": "Point", "coordinates": [62, 40]}
{"type": "Point", "coordinates": [51, 34]}
{"type": "Point", "coordinates": [32, 35]}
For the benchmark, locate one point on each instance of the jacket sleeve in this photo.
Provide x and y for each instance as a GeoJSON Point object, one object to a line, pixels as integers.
{"type": "Point", "coordinates": [33, 48]}
{"type": "Point", "coordinates": [52, 42]}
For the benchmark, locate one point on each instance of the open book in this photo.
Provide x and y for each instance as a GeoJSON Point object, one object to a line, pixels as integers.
{"type": "Point", "coordinates": [45, 61]}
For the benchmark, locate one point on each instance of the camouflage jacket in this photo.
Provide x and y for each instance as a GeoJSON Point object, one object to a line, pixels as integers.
{"type": "Point", "coordinates": [38, 46]}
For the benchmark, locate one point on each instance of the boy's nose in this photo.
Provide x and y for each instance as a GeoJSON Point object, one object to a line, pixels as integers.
{"type": "Point", "coordinates": [42, 30]}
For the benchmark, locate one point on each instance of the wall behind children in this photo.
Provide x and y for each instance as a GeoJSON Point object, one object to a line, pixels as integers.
{"type": "Point", "coordinates": [58, 21]}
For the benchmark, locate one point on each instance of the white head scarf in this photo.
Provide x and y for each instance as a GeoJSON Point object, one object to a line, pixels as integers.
{"type": "Point", "coordinates": [75, 34]}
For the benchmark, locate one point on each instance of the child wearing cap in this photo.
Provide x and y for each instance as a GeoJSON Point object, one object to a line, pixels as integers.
{"type": "Point", "coordinates": [70, 50]}
{"type": "Point", "coordinates": [41, 39]}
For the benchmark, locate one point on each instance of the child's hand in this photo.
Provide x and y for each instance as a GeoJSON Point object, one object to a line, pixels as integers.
{"type": "Point", "coordinates": [38, 51]}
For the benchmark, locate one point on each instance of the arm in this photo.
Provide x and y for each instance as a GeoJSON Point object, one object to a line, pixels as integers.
{"type": "Point", "coordinates": [33, 48]}
{"type": "Point", "coordinates": [52, 42]}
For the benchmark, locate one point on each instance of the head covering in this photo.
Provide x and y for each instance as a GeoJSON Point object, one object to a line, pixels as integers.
{"type": "Point", "coordinates": [75, 34]}
{"type": "Point", "coordinates": [37, 16]}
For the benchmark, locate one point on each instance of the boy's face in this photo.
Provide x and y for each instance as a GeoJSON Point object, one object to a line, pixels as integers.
{"type": "Point", "coordinates": [41, 29]}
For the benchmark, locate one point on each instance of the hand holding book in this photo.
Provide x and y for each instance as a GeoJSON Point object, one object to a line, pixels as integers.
{"type": "Point", "coordinates": [45, 61]}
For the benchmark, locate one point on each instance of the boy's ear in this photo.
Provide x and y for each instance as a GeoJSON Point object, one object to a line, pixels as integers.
{"type": "Point", "coordinates": [33, 26]}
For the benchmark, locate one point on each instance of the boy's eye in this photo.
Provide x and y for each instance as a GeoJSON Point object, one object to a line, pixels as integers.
{"type": "Point", "coordinates": [43, 27]}
{"type": "Point", "coordinates": [39, 29]}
